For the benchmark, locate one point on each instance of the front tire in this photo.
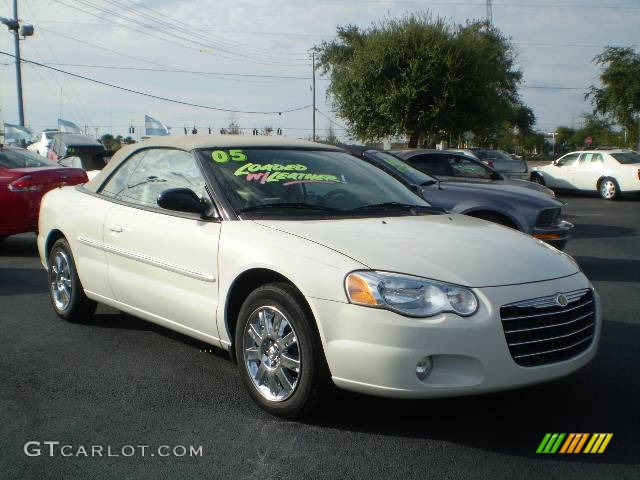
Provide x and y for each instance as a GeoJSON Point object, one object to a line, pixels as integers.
{"type": "Point", "coordinates": [278, 352]}
{"type": "Point", "coordinates": [537, 178]}
{"type": "Point", "coordinates": [65, 290]}
{"type": "Point", "coordinates": [609, 189]}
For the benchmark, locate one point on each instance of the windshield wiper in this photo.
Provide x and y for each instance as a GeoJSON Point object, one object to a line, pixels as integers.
{"type": "Point", "coordinates": [301, 206]}
{"type": "Point", "coordinates": [406, 207]}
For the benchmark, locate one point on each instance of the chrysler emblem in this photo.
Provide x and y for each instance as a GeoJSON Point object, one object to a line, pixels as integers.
{"type": "Point", "coordinates": [561, 300]}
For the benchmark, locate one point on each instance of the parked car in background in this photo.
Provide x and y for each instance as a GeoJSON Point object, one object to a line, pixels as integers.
{"type": "Point", "coordinates": [79, 151]}
{"type": "Point", "coordinates": [450, 165]}
{"type": "Point", "coordinates": [24, 178]}
{"type": "Point", "coordinates": [41, 147]}
{"type": "Point", "coordinates": [507, 165]}
{"type": "Point", "coordinates": [511, 205]}
{"type": "Point", "coordinates": [92, 164]}
{"type": "Point", "coordinates": [608, 172]}
{"type": "Point", "coordinates": [311, 267]}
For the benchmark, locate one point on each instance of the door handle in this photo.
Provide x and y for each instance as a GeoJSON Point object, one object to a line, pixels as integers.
{"type": "Point", "coordinates": [116, 228]}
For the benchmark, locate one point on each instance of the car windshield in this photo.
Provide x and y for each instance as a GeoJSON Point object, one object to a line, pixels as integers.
{"type": "Point", "coordinates": [416, 177]}
{"type": "Point", "coordinates": [627, 158]}
{"type": "Point", "coordinates": [294, 182]}
{"type": "Point", "coordinates": [10, 158]}
{"type": "Point", "coordinates": [492, 155]}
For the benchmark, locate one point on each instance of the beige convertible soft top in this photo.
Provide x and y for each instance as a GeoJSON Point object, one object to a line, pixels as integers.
{"type": "Point", "coordinates": [191, 142]}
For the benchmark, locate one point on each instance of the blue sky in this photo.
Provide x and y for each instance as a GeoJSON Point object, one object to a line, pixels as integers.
{"type": "Point", "coordinates": [556, 41]}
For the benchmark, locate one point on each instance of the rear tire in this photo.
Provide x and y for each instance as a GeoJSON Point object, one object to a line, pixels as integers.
{"type": "Point", "coordinates": [278, 352]}
{"type": "Point", "coordinates": [609, 189]}
{"type": "Point", "coordinates": [65, 290]}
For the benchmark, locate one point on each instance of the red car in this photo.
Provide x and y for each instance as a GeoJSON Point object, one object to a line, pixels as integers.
{"type": "Point", "coordinates": [24, 178]}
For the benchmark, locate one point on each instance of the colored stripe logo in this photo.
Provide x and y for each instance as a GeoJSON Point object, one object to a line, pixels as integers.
{"type": "Point", "coordinates": [574, 443]}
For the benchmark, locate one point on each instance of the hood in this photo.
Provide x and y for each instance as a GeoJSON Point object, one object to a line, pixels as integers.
{"type": "Point", "coordinates": [451, 248]}
{"type": "Point", "coordinates": [529, 185]}
{"type": "Point", "coordinates": [507, 189]}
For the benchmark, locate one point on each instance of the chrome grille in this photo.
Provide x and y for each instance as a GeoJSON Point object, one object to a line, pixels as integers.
{"type": "Point", "coordinates": [541, 331]}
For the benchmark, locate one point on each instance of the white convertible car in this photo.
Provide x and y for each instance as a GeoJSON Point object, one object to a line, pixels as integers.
{"type": "Point", "coordinates": [608, 172]}
{"type": "Point", "coordinates": [314, 268]}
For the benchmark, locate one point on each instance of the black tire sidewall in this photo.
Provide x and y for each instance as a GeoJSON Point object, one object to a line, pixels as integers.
{"type": "Point", "coordinates": [284, 298]}
{"type": "Point", "coordinates": [80, 305]}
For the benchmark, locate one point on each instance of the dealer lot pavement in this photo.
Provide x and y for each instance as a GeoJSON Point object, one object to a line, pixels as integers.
{"type": "Point", "coordinates": [118, 381]}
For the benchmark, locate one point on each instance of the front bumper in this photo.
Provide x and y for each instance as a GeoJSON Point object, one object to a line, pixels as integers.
{"type": "Point", "coordinates": [375, 351]}
{"type": "Point", "coordinates": [556, 235]}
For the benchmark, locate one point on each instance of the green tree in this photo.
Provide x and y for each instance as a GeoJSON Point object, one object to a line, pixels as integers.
{"type": "Point", "coordinates": [423, 77]}
{"type": "Point", "coordinates": [619, 96]}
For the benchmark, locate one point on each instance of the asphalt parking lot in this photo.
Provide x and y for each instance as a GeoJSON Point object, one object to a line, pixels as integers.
{"type": "Point", "coordinates": [120, 381]}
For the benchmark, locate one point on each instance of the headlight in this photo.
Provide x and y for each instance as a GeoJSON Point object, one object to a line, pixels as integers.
{"type": "Point", "coordinates": [408, 295]}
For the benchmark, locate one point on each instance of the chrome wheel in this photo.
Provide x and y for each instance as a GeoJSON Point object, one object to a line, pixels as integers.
{"type": "Point", "coordinates": [60, 281]}
{"type": "Point", "coordinates": [271, 354]}
{"type": "Point", "coordinates": [608, 189]}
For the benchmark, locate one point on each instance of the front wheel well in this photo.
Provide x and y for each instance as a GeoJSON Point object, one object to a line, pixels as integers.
{"type": "Point", "coordinates": [246, 283]}
{"type": "Point", "coordinates": [495, 217]}
{"type": "Point", "coordinates": [604, 177]}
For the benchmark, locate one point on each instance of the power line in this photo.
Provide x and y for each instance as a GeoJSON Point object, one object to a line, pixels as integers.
{"type": "Point", "coordinates": [322, 35]}
{"type": "Point", "coordinates": [331, 120]}
{"type": "Point", "coordinates": [82, 110]}
{"type": "Point", "coordinates": [537, 6]}
{"type": "Point", "coordinates": [158, 97]}
{"type": "Point", "coordinates": [175, 38]}
{"type": "Point", "coordinates": [179, 70]}
{"type": "Point", "coordinates": [159, 18]}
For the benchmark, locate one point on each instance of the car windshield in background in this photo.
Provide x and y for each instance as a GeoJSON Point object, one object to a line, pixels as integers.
{"type": "Point", "coordinates": [294, 182]}
{"type": "Point", "coordinates": [492, 155]}
{"type": "Point", "coordinates": [22, 159]}
{"type": "Point", "coordinates": [464, 167]}
{"type": "Point", "coordinates": [93, 161]}
{"type": "Point", "coordinates": [627, 158]}
{"type": "Point", "coordinates": [414, 176]}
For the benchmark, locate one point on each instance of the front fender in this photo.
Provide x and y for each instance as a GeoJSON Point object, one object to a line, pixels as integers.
{"type": "Point", "coordinates": [501, 208]}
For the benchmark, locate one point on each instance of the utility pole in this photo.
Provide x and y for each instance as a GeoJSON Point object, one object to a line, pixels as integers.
{"type": "Point", "coordinates": [489, 13]}
{"type": "Point", "coordinates": [16, 40]}
{"type": "Point", "coordinates": [313, 66]}
{"type": "Point", "coordinates": [25, 30]}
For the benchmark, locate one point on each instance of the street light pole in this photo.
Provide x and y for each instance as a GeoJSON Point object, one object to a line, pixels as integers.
{"type": "Point", "coordinates": [16, 40]}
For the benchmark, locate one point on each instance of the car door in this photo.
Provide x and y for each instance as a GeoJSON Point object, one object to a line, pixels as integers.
{"type": "Point", "coordinates": [161, 263]}
{"type": "Point", "coordinates": [559, 173]}
{"type": "Point", "coordinates": [587, 171]}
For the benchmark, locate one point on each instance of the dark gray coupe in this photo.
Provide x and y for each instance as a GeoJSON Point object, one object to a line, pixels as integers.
{"type": "Point", "coordinates": [526, 209]}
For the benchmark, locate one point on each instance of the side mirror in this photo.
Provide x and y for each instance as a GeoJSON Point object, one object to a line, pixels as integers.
{"type": "Point", "coordinates": [182, 200]}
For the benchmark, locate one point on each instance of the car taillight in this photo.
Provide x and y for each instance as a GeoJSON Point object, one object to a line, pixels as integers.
{"type": "Point", "coordinates": [639, 174]}
{"type": "Point", "coordinates": [24, 184]}
{"type": "Point", "coordinates": [490, 163]}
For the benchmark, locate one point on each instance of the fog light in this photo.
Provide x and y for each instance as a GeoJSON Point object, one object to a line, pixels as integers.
{"type": "Point", "coordinates": [424, 367]}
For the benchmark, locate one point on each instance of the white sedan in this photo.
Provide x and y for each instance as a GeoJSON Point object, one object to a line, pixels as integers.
{"type": "Point", "coordinates": [608, 172]}
{"type": "Point", "coordinates": [313, 267]}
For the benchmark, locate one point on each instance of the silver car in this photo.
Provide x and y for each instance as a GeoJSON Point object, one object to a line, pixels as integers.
{"type": "Point", "coordinates": [499, 161]}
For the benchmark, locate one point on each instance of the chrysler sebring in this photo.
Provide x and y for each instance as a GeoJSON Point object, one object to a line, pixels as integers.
{"type": "Point", "coordinates": [314, 268]}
